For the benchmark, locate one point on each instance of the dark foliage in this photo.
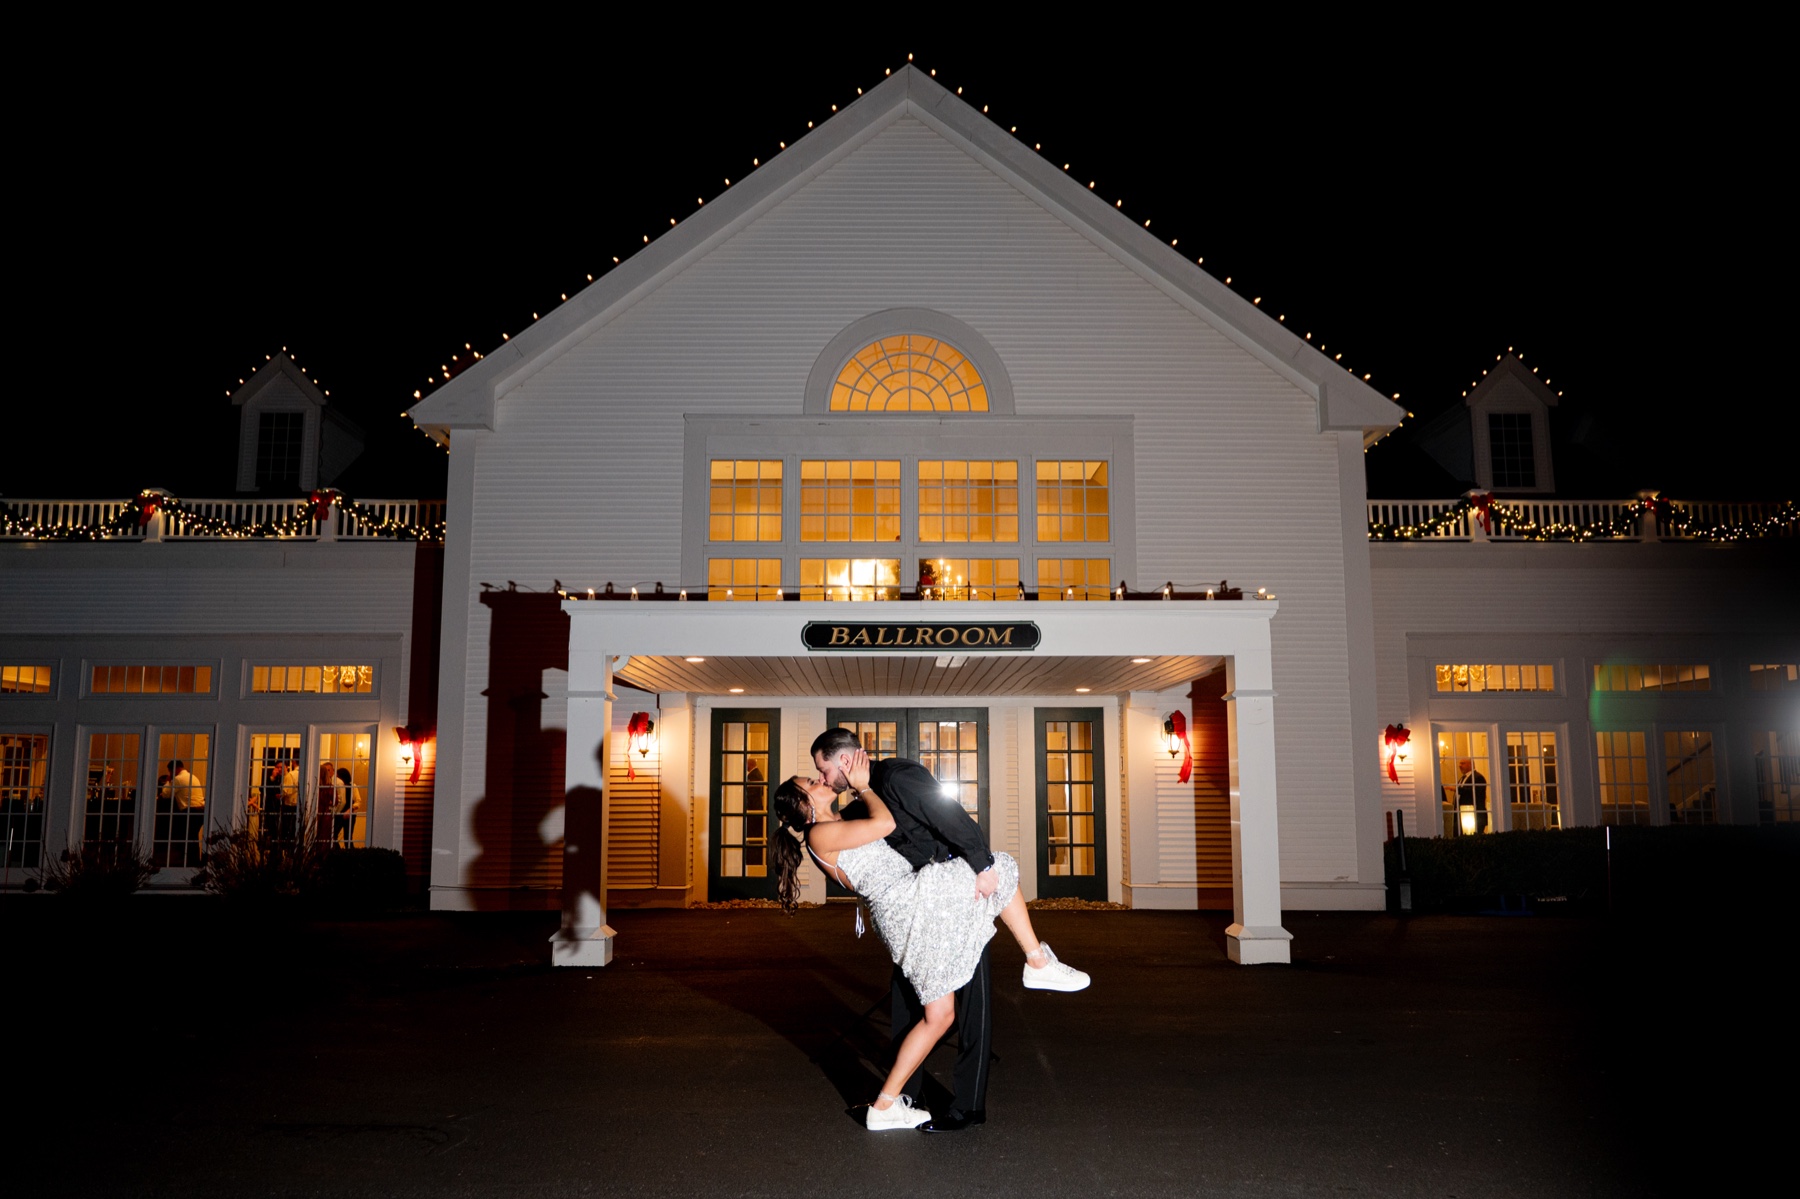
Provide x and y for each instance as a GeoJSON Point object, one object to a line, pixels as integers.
{"type": "Point", "coordinates": [97, 872]}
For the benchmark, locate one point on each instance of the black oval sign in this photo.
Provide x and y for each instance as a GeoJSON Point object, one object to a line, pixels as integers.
{"type": "Point", "coordinates": [850, 636]}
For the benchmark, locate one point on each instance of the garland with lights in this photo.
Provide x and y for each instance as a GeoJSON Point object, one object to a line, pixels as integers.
{"type": "Point", "coordinates": [149, 502]}
{"type": "Point", "coordinates": [1671, 521]}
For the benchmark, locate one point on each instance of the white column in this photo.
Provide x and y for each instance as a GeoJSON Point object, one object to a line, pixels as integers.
{"type": "Point", "coordinates": [585, 939]}
{"type": "Point", "coordinates": [1142, 731]}
{"type": "Point", "coordinates": [1256, 935]}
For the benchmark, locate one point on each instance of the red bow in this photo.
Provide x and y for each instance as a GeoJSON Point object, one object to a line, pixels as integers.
{"type": "Point", "coordinates": [1395, 736]}
{"type": "Point", "coordinates": [1179, 722]}
{"type": "Point", "coordinates": [1483, 502]}
{"type": "Point", "coordinates": [147, 504]}
{"type": "Point", "coordinates": [322, 500]}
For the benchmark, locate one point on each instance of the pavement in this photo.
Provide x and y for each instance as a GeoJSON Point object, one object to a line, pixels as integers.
{"type": "Point", "coordinates": [177, 1048]}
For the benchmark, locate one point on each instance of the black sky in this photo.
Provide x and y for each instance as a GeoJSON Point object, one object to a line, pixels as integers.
{"type": "Point", "coordinates": [1612, 211]}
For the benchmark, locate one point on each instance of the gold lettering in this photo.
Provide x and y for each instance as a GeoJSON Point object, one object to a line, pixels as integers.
{"type": "Point", "coordinates": [946, 637]}
{"type": "Point", "coordinates": [840, 635]}
{"type": "Point", "coordinates": [971, 636]}
{"type": "Point", "coordinates": [881, 634]}
{"type": "Point", "coordinates": [924, 637]}
{"type": "Point", "coordinates": [861, 638]}
{"type": "Point", "coordinates": [900, 637]}
{"type": "Point", "coordinates": [995, 637]}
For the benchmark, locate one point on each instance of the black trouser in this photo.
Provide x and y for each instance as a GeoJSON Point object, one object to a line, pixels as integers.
{"type": "Point", "coordinates": [974, 1029]}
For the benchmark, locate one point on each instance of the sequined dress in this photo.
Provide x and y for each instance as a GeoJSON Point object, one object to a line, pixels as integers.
{"type": "Point", "coordinates": [934, 924]}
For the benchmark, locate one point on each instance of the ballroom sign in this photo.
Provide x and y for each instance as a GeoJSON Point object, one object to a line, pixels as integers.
{"type": "Point", "coordinates": [862, 636]}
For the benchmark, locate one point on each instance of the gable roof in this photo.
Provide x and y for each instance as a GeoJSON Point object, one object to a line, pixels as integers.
{"type": "Point", "coordinates": [1344, 401]}
{"type": "Point", "coordinates": [279, 366]}
{"type": "Point", "coordinates": [1509, 366]}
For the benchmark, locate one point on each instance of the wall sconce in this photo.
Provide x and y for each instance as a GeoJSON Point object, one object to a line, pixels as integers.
{"type": "Point", "coordinates": [410, 756]}
{"type": "Point", "coordinates": [1175, 739]}
{"type": "Point", "coordinates": [1394, 741]}
{"type": "Point", "coordinates": [641, 735]}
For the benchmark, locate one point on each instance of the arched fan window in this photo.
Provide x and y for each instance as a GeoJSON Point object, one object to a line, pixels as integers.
{"type": "Point", "coordinates": [909, 372]}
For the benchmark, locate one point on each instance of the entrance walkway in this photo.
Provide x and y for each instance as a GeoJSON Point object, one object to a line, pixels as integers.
{"type": "Point", "coordinates": [439, 1055]}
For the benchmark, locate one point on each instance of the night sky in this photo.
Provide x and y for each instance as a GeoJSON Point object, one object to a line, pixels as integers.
{"type": "Point", "coordinates": [376, 209]}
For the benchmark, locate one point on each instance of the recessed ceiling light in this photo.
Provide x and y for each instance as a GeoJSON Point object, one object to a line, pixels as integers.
{"type": "Point", "coordinates": [703, 659]}
{"type": "Point", "coordinates": [1137, 661]}
{"type": "Point", "coordinates": [737, 690]}
{"type": "Point", "coordinates": [1084, 690]}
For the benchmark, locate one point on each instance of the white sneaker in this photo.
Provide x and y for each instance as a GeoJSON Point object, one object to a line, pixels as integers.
{"type": "Point", "coordinates": [901, 1115]}
{"type": "Point", "coordinates": [1054, 976]}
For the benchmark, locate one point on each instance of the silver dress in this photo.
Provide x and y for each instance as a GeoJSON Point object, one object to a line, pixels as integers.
{"type": "Point", "coordinates": [934, 924]}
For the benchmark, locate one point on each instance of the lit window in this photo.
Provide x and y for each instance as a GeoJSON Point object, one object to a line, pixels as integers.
{"type": "Point", "coordinates": [1692, 777]}
{"type": "Point", "coordinates": [342, 799]}
{"type": "Point", "coordinates": [849, 578]}
{"type": "Point", "coordinates": [112, 789]}
{"type": "Point", "coordinates": [278, 801]}
{"type": "Point", "coordinates": [179, 831]}
{"type": "Point", "coordinates": [314, 680]}
{"type": "Point", "coordinates": [1778, 778]}
{"type": "Point", "coordinates": [1462, 778]}
{"type": "Point", "coordinates": [25, 680]}
{"type": "Point", "coordinates": [1624, 763]}
{"type": "Point", "coordinates": [1459, 677]}
{"type": "Point", "coordinates": [880, 738]}
{"type": "Point", "coordinates": [950, 750]}
{"type": "Point", "coordinates": [24, 768]}
{"type": "Point", "coordinates": [745, 500]}
{"type": "Point", "coordinates": [1068, 760]}
{"type": "Point", "coordinates": [279, 436]}
{"type": "Point", "coordinates": [743, 799]}
{"type": "Point", "coordinates": [151, 680]}
{"type": "Point", "coordinates": [1532, 789]}
{"type": "Point", "coordinates": [1652, 678]}
{"type": "Point", "coordinates": [909, 372]}
{"type": "Point", "coordinates": [743, 578]}
{"type": "Point", "coordinates": [1774, 677]}
{"type": "Point", "coordinates": [1074, 578]}
{"type": "Point", "coordinates": [1072, 502]}
{"type": "Point", "coordinates": [968, 501]}
{"type": "Point", "coordinates": [970, 578]}
{"type": "Point", "coordinates": [849, 500]}
{"type": "Point", "coordinates": [1509, 442]}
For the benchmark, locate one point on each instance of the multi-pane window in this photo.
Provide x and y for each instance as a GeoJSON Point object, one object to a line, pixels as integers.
{"type": "Point", "coordinates": [1774, 676]}
{"type": "Point", "coordinates": [1073, 502]}
{"type": "Point", "coordinates": [1462, 778]}
{"type": "Point", "coordinates": [1069, 795]}
{"type": "Point", "coordinates": [1074, 578]}
{"type": "Point", "coordinates": [178, 834]}
{"type": "Point", "coordinates": [1623, 759]}
{"type": "Point", "coordinates": [279, 436]}
{"type": "Point", "coordinates": [743, 578]}
{"type": "Point", "coordinates": [849, 499]}
{"type": "Point", "coordinates": [970, 578]}
{"type": "Point", "coordinates": [950, 749]}
{"type": "Point", "coordinates": [1532, 789]}
{"type": "Point", "coordinates": [909, 372]}
{"type": "Point", "coordinates": [25, 680]}
{"type": "Point", "coordinates": [743, 799]}
{"type": "Point", "coordinates": [1692, 777]}
{"type": "Point", "coordinates": [849, 578]}
{"type": "Point", "coordinates": [342, 808]}
{"type": "Point", "coordinates": [112, 789]}
{"type": "Point", "coordinates": [1633, 677]}
{"type": "Point", "coordinates": [744, 501]}
{"type": "Point", "coordinates": [316, 680]}
{"type": "Point", "coordinates": [24, 768]}
{"type": "Point", "coordinates": [276, 790]}
{"type": "Point", "coordinates": [1509, 441]}
{"type": "Point", "coordinates": [1460, 677]}
{"type": "Point", "coordinates": [1778, 777]}
{"type": "Point", "coordinates": [878, 738]}
{"type": "Point", "coordinates": [968, 501]}
{"type": "Point", "coordinates": [150, 680]}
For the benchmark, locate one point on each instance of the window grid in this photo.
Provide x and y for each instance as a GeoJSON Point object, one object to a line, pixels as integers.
{"type": "Point", "coordinates": [1074, 578]}
{"type": "Point", "coordinates": [849, 499]}
{"type": "Point", "coordinates": [1073, 502]}
{"type": "Point", "coordinates": [744, 502]}
{"type": "Point", "coordinates": [743, 579]}
{"type": "Point", "coordinates": [342, 799]}
{"type": "Point", "coordinates": [855, 579]}
{"type": "Point", "coordinates": [112, 789]}
{"type": "Point", "coordinates": [150, 680]}
{"type": "Point", "coordinates": [1778, 778]}
{"type": "Point", "coordinates": [744, 799]}
{"type": "Point", "coordinates": [1458, 678]}
{"type": "Point", "coordinates": [24, 769]}
{"type": "Point", "coordinates": [1510, 446]}
{"type": "Point", "coordinates": [969, 578]}
{"type": "Point", "coordinates": [1462, 778]}
{"type": "Point", "coordinates": [879, 738]}
{"type": "Point", "coordinates": [316, 680]}
{"type": "Point", "coordinates": [274, 801]}
{"type": "Point", "coordinates": [950, 749]}
{"type": "Point", "coordinates": [178, 835]}
{"type": "Point", "coordinates": [909, 372]}
{"type": "Point", "coordinates": [1069, 795]}
{"type": "Point", "coordinates": [1624, 762]}
{"type": "Point", "coordinates": [1691, 777]}
{"type": "Point", "coordinates": [278, 440]}
{"type": "Point", "coordinates": [968, 501]}
{"type": "Point", "coordinates": [25, 680]}
{"type": "Point", "coordinates": [1774, 676]}
{"type": "Point", "coordinates": [1635, 677]}
{"type": "Point", "coordinates": [1533, 793]}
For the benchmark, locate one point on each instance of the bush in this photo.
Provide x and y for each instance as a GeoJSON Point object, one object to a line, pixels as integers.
{"type": "Point", "coordinates": [1675, 866]}
{"type": "Point", "coordinates": [97, 872]}
{"type": "Point", "coordinates": [245, 867]}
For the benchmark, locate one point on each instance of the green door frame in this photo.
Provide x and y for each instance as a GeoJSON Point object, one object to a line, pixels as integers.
{"type": "Point", "coordinates": [719, 887]}
{"type": "Point", "coordinates": [1066, 886]}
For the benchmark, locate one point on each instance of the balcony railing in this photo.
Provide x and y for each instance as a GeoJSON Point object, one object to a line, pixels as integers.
{"type": "Point", "coordinates": [220, 520]}
{"type": "Point", "coordinates": [1648, 519]}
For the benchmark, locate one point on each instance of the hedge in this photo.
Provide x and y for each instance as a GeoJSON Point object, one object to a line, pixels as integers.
{"type": "Point", "coordinates": [1675, 866]}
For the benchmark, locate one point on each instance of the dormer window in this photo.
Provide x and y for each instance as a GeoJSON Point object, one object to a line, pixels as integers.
{"type": "Point", "coordinates": [280, 437]}
{"type": "Point", "coordinates": [1513, 460]}
{"type": "Point", "coordinates": [1509, 426]}
{"type": "Point", "coordinates": [290, 439]}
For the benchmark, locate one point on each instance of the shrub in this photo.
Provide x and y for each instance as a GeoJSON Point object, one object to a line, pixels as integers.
{"type": "Point", "coordinates": [97, 871]}
{"type": "Point", "coordinates": [247, 867]}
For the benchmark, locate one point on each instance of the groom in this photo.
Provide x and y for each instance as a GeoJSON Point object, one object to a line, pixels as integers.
{"type": "Point", "coordinates": [928, 826]}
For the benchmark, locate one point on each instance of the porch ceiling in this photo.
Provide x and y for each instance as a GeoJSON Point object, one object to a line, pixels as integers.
{"type": "Point", "coordinates": [899, 674]}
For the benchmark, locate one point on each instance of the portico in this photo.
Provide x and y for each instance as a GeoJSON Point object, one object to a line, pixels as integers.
{"type": "Point", "coordinates": [1037, 669]}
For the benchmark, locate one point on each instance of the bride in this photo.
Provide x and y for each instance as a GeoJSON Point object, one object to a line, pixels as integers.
{"type": "Point", "coordinates": [934, 922]}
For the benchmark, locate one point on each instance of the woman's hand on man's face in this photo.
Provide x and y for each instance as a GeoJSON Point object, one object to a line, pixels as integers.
{"type": "Point", "coordinates": [857, 773]}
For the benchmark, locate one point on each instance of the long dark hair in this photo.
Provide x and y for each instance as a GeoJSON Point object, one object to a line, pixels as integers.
{"type": "Point", "coordinates": [787, 848]}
